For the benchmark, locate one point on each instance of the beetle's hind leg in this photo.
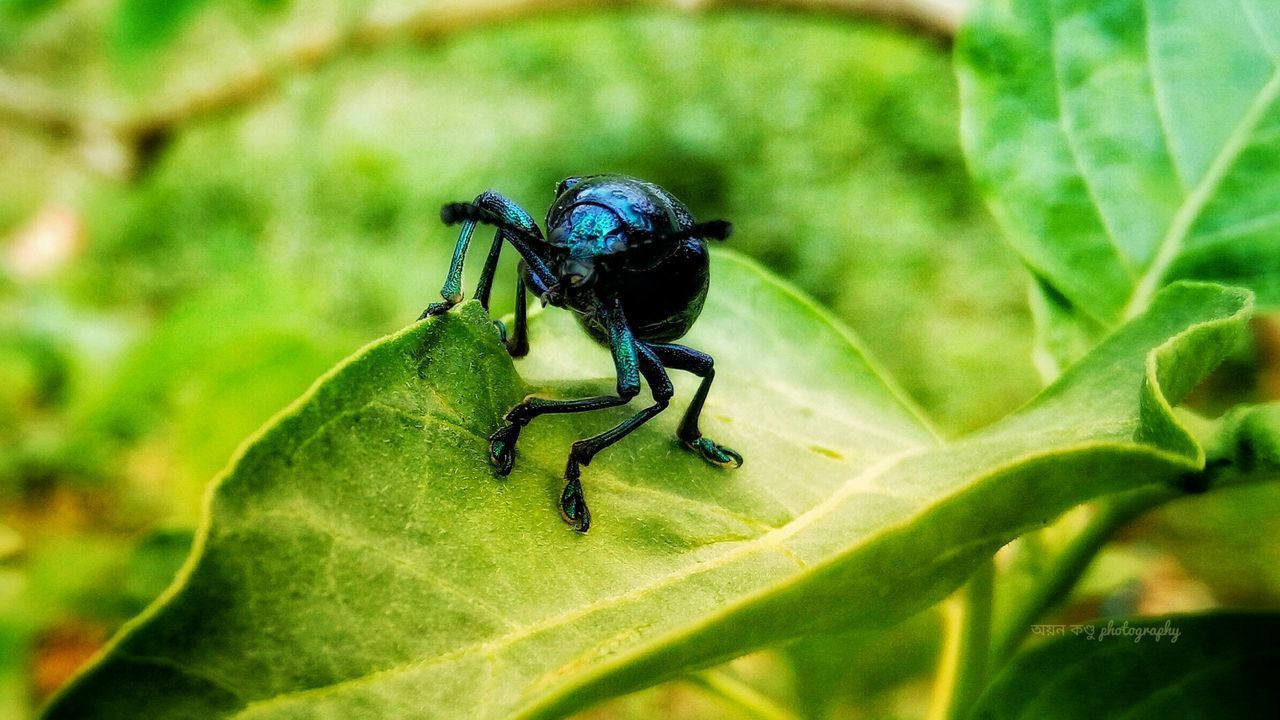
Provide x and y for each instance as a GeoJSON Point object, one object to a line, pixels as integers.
{"type": "Point", "coordinates": [679, 357]}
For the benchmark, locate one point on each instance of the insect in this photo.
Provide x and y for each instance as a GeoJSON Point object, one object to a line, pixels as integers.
{"type": "Point", "coordinates": [629, 261]}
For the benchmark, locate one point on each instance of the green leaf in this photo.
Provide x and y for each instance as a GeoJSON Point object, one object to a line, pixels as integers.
{"type": "Point", "coordinates": [1230, 541]}
{"type": "Point", "coordinates": [360, 559]}
{"type": "Point", "coordinates": [1061, 336]}
{"type": "Point", "coordinates": [1211, 666]}
{"type": "Point", "coordinates": [1128, 143]}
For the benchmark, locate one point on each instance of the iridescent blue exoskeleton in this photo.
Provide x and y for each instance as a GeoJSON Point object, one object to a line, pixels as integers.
{"type": "Point", "coordinates": [628, 259]}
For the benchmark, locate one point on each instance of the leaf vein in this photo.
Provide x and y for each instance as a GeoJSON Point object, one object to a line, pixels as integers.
{"type": "Point", "coordinates": [330, 524]}
{"type": "Point", "coordinates": [426, 417]}
{"type": "Point", "coordinates": [1069, 136]}
{"type": "Point", "coordinates": [1177, 686]}
{"type": "Point", "coordinates": [171, 664]}
{"type": "Point", "coordinates": [610, 480]}
{"type": "Point", "coordinates": [771, 541]}
{"type": "Point", "coordinates": [1161, 100]}
{"type": "Point", "coordinates": [1240, 227]}
{"type": "Point", "coordinates": [1190, 209]}
{"type": "Point", "coordinates": [1267, 46]}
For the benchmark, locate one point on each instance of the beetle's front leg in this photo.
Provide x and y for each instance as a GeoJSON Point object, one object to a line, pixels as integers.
{"type": "Point", "coordinates": [514, 225]}
{"type": "Point", "coordinates": [451, 291]}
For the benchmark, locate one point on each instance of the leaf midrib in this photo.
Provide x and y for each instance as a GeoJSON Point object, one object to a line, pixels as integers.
{"type": "Point", "coordinates": [1160, 99]}
{"type": "Point", "coordinates": [488, 648]}
{"type": "Point", "coordinates": [767, 542]}
{"type": "Point", "coordinates": [1189, 210]}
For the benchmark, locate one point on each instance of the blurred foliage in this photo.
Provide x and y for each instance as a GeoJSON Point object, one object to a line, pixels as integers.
{"type": "Point", "coordinates": [1220, 668]}
{"type": "Point", "coordinates": [1217, 538]}
{"type": "Point", "coordinates": [69, 592]}
{"type": "Point", "coordinates": [143, 25]}
{"type": "Point", "coordinates": [840, 675]}
{"type": "Point", "coordinates": [267, 243]}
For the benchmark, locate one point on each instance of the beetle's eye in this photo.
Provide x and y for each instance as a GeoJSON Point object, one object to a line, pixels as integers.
{"type": "Point", "coordinates": [615, 242]}
{"type": "Point", "coordinates": [559, 235]}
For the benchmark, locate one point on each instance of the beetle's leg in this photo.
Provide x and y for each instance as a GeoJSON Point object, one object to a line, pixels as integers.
{"type": "Point", "coordinates": [518, 343]}
{"type": "Point", "coordinates": [573, 506]}
{"type": "Point", "coordinates": [490, 268]}
{"type": "Point", "coordinates": [502, 442]}
{"type": "Point", "coordinates": [451, 291]}
{"type": "Point", "coordinates": [679, 357]}
{"type": "Point", "coordinates": [517, 346]}
{"type": "Point", "coordinates": [626, 359]}
{"type": "Point", "coordinates": [520, 230]}
{"type": "Point", "coordinates": [514, 225]}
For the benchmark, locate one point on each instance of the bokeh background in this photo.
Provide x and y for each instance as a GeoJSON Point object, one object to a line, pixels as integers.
{"type": "Point", "coordinates": [203, 206]}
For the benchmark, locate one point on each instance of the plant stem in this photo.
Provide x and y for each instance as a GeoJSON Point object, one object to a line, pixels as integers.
{"type": "Point", "coordinates": [26, 102]}
{"type": "Point", "coordinates": [138, 134]}
{"type": "Point", "coordinates": [741, 695]}
{"type": "Point", "coordinates": [1066, 569]}
{"type": "Point", "coordinates": [963, 671]}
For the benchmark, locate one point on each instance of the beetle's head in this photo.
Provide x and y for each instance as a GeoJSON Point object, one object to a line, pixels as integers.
{"type": "Point", "coordinates": [585, 234]}
{"type": "Point", "coordinates": [577, 275]}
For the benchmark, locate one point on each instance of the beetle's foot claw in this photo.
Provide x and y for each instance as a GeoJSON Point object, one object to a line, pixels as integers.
{"type": "Point", "coordinates": [438, 308]}
{"type": "Point", "coordinates": [715, 454]}
{"type": "Point", "coordinates": [518, 349]}
{"type": "Point", "coordinates": [573, 504]}
{"type": "Point", "coordinates": [502, 448]}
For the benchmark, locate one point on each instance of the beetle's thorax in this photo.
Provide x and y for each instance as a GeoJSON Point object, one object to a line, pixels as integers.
{"type": "Point", "coordinates": [584, 234]}
{"type": "Point", "coordinates": [588, 230]}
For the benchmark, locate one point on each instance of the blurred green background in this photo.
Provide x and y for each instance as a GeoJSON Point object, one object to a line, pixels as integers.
{"type": "Point", "coordinates": [176, 270]}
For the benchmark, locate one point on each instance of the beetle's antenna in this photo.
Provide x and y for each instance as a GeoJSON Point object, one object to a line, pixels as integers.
{"type": "Point", "coordinates": [712, 230]}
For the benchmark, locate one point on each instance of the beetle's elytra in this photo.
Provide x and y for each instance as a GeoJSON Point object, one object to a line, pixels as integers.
{"type": "Point", "coordinates": [630, 262]}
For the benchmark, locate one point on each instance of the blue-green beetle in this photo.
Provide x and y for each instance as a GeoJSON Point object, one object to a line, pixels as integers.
{"type": "Point", "coordinates": [630, 262]}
